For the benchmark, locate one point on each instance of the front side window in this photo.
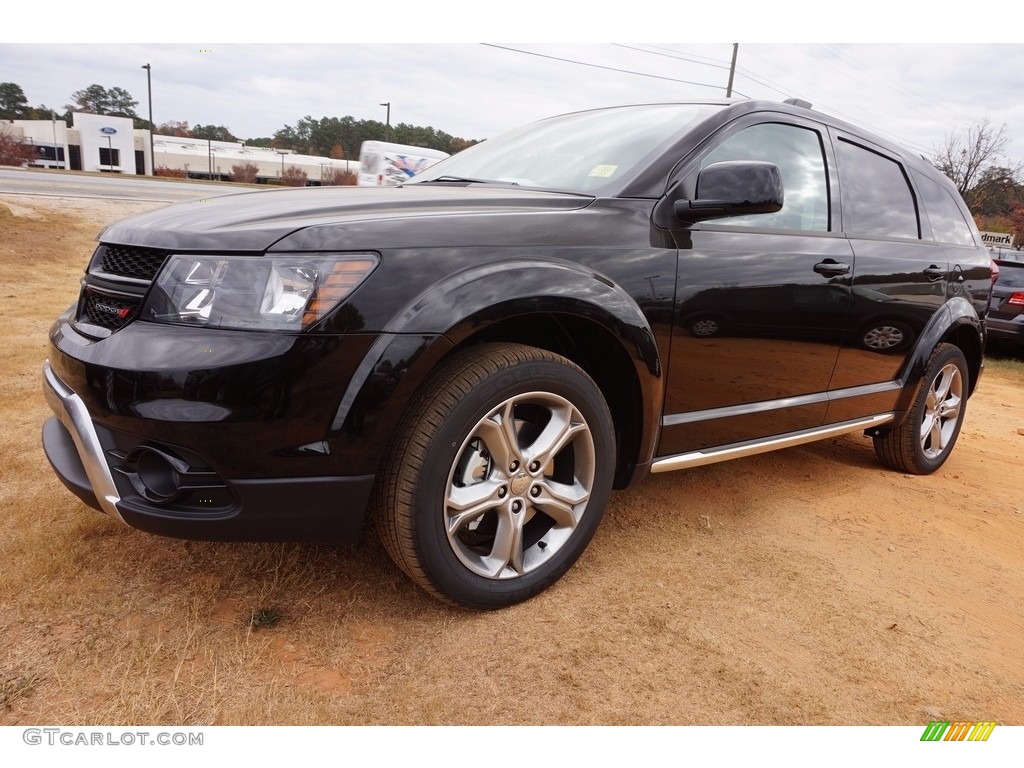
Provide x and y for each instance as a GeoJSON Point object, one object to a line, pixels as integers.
{"type": "Point", "coordinates": [877, 201]}
{"type": "Point", "coordinates": [798, 154]}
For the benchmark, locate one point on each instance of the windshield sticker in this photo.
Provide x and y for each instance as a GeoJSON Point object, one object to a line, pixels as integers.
{"type": "Point", "coordinates": [603, 171]}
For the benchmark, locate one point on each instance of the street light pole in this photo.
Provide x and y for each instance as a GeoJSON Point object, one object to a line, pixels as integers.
{"type": "Point", "coordinates": [56, 152]}
{"type": "Point", "coordinates": [387, 125]}
{"type": "Point", "coordinates": [149, 93]}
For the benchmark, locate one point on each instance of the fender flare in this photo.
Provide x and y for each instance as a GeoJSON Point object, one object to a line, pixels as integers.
{"type": "Point", "coordinates": [447, 313]}
{"type": "Point", "coordinates": [490, 292]}
{"type": "Point", "coordinates": [956, 313]}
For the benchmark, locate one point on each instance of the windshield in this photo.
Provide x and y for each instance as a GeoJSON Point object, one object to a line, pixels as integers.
{"type": "Point", "coordinates": [581, 152]}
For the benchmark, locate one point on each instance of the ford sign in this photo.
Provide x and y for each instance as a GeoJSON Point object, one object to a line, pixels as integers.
{"type": "Point", "coordinates": [108, 130]}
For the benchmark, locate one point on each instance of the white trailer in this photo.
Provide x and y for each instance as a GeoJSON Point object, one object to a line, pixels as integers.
{"type": "Point", "coordinates": [382, 164]}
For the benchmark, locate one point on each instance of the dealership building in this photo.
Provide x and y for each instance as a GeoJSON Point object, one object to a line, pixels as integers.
{"type": "Point", "coordinates": [110, 144]}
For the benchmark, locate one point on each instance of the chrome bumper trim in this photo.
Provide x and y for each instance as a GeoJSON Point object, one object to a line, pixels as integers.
{"type": "Point", "coordinates": [72, 413]}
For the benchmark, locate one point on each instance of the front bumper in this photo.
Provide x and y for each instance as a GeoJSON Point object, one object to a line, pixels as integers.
{"type": "Point", "coordinates": [84, 470]}
{"type": "Point", "coordinates": [87, 459]}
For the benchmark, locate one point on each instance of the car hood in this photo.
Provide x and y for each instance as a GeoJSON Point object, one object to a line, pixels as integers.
{"type": "Point", "coordinates": [255, 221]}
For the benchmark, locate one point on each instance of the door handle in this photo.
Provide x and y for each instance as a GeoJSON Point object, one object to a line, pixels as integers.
{"type": "Point", "coordinates": [831, 268]}
{"type": "Point", "coordinates": [936, 273]}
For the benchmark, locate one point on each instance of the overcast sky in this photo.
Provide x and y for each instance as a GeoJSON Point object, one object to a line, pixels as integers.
{"type": "Point", "coordinates": [914, 94]}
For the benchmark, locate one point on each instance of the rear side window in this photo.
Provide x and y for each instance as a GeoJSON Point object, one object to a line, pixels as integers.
{"type": "Point", "coordinates": [877, 200]}
{"type": "Point", "coordinates": [948, 223]}
{"type": "Point", "coordinates": [798, 154]}
{"type": "Point", "coordinates": [1011, 275]}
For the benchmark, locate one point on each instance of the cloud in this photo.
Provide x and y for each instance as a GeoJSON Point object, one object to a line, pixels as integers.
{"type": "Point", "coordinates": [912, 94]}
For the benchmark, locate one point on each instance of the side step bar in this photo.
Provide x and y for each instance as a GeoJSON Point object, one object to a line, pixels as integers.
{"type": "Point", "coordinates": [753, 447]}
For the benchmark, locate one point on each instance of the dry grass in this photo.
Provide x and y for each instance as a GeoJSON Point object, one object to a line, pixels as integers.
{"type": "Point", "coordinates": [806, 586]}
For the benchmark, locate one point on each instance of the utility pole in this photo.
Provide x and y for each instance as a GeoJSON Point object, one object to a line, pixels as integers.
{"type": "Point", "coordinates": [732, 70]}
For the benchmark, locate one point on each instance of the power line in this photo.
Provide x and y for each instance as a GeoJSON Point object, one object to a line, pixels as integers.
{"type": "Point", "coordinates": [910, 143]}
{"type": "Point", "coordinates": [601, 66]}
{"type": "Point", "coordinates": [693, 59]}
{"type": "Point", "coordinates": [904, 92]}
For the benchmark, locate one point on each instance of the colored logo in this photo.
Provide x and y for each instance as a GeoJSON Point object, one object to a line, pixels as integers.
{"type": "Point", "coordinates": [965, 730]}
{"type": "Point", "coordinates": [108, 130]}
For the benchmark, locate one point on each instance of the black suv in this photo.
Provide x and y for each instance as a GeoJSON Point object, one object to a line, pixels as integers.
{"type": "Point", "coordinates": [480, 356]}
{"type": "Point", "coordinates": [1006, 315]}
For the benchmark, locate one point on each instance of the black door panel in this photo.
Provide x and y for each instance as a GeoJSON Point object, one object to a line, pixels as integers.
{"type": "Point", "coordinates": [756, 326]}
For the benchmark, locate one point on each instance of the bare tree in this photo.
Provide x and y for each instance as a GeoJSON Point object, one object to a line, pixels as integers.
{"type": "Point", "coordinates": [967, 156]}
{"type": "Point", "coordinates": [14, 150]}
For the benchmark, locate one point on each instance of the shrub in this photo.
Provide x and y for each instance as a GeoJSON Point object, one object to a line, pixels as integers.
{"type": "Point", "coordinates": [244, 173]}
{"type": "Point", "coordinates": [294, 177]}
{"type": "Point", "coordinates": [168, 172]}
{"type": "Point", "coordinates": [338, 177]}
{"type": "Point", "coordinates": [14, 151]}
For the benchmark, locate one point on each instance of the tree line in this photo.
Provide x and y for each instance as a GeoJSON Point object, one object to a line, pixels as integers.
{"type": "Point", "coordinates": [341, 137]}
{"type": "Point", "coordinates": [337, 137]}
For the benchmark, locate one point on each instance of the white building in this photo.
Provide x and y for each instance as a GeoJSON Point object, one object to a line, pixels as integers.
{"type": "Point", "coordinates": [49, 137]}
{"type": "Point", "coordinates": [111, 145]}
{"type": "Point", "coordinates": [203, 158]}
{"type": "Point", "coordinates": [93, 143]}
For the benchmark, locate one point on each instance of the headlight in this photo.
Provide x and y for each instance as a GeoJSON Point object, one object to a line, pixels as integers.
{"type": "Point", "coordinates": [254, 292]}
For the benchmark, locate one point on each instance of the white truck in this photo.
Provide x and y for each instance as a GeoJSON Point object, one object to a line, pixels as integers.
{"type": "Point", "coordinates": [382, 164]}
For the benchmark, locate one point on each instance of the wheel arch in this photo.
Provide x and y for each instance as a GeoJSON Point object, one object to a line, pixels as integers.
{"type": "Point", "coordinates": [631, 394]}
{"type": "Point", "coordinates": [557, 306]}
{"type": "Point", "coordinates": [958, 324]}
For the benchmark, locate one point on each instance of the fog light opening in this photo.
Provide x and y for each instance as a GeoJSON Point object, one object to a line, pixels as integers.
{"type": "Point", "coordinates": [157, 474]}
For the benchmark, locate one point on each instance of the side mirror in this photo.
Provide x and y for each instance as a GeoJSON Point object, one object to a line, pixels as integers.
{"type": "Point", "coordinates": [732, 189]}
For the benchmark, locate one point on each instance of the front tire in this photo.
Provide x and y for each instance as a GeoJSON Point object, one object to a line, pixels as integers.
{"type": "Point", "coordinates": [498, 476]}
{"type": "Point", "coordinates": [923, 442]}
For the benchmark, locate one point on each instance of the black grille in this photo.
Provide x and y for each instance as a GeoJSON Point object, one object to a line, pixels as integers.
{"type": "Point", "coordinates": [131, 261]}
{"type": "Point", "coordinates": [107, 312]}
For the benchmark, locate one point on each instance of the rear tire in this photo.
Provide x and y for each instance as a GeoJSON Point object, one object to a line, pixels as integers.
{"type": "Point", "coordinates": [923, 442]}
{"type": "Point", "coordinates": [498, 476]}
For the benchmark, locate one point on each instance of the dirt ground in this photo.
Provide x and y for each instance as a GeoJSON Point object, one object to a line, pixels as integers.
{"type": "Point", "coordinates": [807, 586]}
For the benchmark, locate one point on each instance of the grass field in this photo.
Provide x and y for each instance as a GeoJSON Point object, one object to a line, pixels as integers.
{"type": "Point", "coordinates": [803, 587]}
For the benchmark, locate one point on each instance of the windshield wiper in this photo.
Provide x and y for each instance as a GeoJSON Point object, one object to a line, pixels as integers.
{"type": "Point", "coordinates": [464, 180]}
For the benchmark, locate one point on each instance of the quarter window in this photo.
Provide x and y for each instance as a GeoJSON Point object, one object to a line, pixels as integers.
{"type": "Point", "coordinates": [798, 154]}
{"type": "Point", "coordinates": [948, 223]}
{"type": "Point", "coordinates": [877, 201]}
